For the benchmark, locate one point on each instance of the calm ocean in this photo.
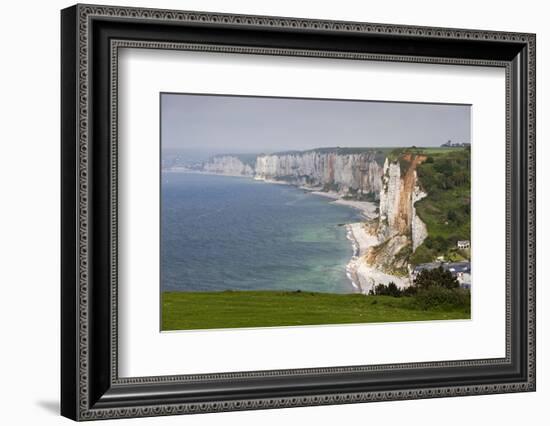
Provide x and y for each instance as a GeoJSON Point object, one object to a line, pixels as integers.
{"type": "Point", "coordinates": [221, 233]}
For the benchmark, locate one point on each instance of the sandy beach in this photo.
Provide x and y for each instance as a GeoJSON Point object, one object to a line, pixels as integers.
{"type": "Point", "coordinates": [367, 208]}
{"type": "Point", "coordinates": [363, 276]}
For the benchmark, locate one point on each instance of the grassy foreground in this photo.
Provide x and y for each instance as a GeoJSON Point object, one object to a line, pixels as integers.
{"type": "Point", "coordinates": [233, 309]}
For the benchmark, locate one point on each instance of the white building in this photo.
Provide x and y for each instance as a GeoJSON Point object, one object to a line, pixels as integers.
{"type": "Point", "coordinates": [464, 244]}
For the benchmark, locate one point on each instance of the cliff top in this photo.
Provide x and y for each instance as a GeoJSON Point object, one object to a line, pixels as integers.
{"type": "Point", "coordinates": [380, 153]}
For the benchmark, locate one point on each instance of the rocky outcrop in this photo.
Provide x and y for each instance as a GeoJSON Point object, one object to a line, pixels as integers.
{"type": "Point", "coordinates": [399, 229]}
{"type": "Point", "coordinates": [389, 199]}
{"type": "Point", "coordinates": [341, 172]}
{"type": "Point", "coordinates": [419, 231]}
{"type": "Point", "coordinates": [229, 165]}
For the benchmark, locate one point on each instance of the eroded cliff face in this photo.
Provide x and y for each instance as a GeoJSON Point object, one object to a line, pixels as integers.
{"type": "Point", "coordinates": [228, 165]}
{"type": "Point", "coordinates": [343, 173]}
{"type": "Point", "coordinates": [419, 231]}
{"type": "Point", "coordinates": [399, 229]}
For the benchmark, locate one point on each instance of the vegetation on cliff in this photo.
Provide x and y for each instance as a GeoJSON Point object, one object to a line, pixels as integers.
{"type": "Point", "coordinates": [445, 177]}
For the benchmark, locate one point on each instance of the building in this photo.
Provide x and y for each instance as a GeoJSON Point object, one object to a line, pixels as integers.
{"type": "Point", "coordinates": [460, 270]}
{"type": "Point", "coordinates": [424, 266]}
{"type": "Point", "coordinates": [463, 244]}
{"type": "Point", "coordinates": [450, 144]}
{"type": "Point", "coordinates": [465, 280]}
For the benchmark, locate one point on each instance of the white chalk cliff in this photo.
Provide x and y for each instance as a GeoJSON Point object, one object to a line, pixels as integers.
{"type": "Point", "coordinates": [229, 165]}
{"type": "Point", "coordinates": [399, 229]}
{"type": "Point", "coordinates": [340, 172]}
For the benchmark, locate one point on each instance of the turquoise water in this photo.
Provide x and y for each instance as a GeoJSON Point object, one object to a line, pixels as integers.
{"type": "Point", "coordinates": [232, 233]}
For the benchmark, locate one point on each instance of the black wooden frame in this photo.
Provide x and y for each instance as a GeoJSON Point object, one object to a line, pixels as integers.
{"type": "Point", "coordinates": [90, 386]}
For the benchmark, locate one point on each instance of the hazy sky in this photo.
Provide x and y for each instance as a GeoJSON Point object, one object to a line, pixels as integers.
{"type": "Point", "coordinates": [234, 124]}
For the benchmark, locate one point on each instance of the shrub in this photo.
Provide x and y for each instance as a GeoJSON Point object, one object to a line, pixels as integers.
{"type": "Point", "coordinates": [422, 254]}
{"type": "Point", "coordinates": [432, 289]}
{"type": "Point", "coordinates": [437, 277]}
{"type": "Point", "coordinates": [393, 290]}
{"type": "Point", "coordinates": [452, 216]}
{"type": "Point", "coordinates": [437, 297]}
{"type": "Point", "coordinates": [390, 290]}
{"type": "Point", "coordinates": [409, 291]}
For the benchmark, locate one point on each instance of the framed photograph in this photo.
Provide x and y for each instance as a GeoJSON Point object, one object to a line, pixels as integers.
{"type": "Point", "coordinates": [263, 212]}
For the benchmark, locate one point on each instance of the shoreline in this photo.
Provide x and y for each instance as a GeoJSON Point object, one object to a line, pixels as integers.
{"type": "Point", "coordinates": [200, 172]}
{"type": "Point", "coordinates": [363, 276]}
{"type": "Point", "coordinates": [367, 208]}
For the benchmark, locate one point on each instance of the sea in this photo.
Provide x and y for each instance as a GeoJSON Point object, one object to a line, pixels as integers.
{"type": "Point", "coordinates": [235, 233]}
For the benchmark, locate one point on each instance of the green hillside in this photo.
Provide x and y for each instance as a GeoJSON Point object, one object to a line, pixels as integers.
{"type": "Point", "coordinates": [234, 309]}
{"type": "Point", "coordinates": [445, 177]}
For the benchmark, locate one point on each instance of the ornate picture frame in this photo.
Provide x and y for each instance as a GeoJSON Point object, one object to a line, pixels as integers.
{"type": "Point", "coordinates": [91, 37]}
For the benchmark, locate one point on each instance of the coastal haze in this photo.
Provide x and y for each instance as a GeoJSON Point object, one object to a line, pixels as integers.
{"type": "Point", "coordinates": [203, 125]}
{"type": "Point", "coordinates": [285, 196]}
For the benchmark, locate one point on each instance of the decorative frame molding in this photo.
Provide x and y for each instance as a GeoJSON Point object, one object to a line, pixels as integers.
{"type": "Point", "coordinates": [91, 37]}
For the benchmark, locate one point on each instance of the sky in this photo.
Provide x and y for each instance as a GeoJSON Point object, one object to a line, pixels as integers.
{"type": "Point", "coordinates": [216, 124]}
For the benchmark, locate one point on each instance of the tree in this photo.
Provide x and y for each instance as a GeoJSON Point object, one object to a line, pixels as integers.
{"type": "Point", "coordinates": [437, 277]}
{"type": "Point", "coordinates": [452, 216]}
{"type": "Point", "coordinates": [393, 290]}
{"type": "Point", "coordinates": [390, 290]}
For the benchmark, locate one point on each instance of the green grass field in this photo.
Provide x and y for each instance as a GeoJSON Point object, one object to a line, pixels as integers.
{"type": "Point", "coordinates": [234, 309]}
